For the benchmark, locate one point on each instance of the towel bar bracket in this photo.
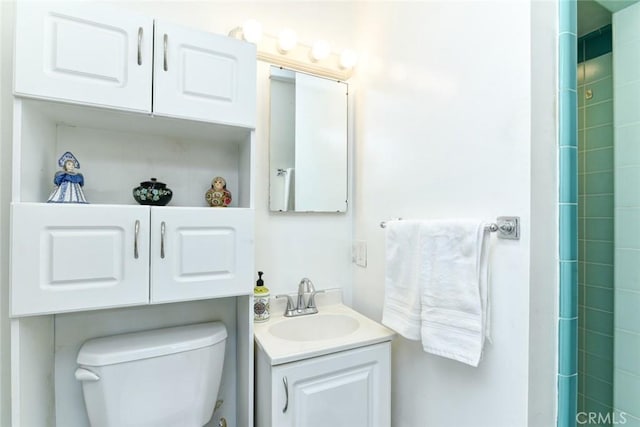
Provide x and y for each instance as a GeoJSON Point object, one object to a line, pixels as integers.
{"type": "Point", "coordinates": [508, 227]}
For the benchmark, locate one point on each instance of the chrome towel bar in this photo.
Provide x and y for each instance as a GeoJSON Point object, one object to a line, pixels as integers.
{"type": "Point", "coordinates": [507, 227]}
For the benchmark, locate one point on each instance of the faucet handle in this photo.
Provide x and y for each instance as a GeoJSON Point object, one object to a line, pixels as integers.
{"type": "Point", "coordinates": [312, 299]}
{"type": "Point", "coordinates": [290, 308]}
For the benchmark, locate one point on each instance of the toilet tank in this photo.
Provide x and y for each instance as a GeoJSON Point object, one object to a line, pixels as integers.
{"type": "Point", "coordinates": [158, 378]}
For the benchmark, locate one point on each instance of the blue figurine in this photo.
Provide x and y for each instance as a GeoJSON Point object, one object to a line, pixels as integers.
{"type": "Point", "coordinates": [68, 182]}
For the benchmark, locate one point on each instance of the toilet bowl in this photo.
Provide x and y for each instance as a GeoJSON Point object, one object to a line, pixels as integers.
{"type": "Point", "coordinates": [158, 378]}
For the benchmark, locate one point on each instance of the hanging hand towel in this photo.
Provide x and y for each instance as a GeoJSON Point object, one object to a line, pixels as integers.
{"type": "Point", "coordinates": [453, 280]}
{"type": "Point", "coordinates": [401, 309]}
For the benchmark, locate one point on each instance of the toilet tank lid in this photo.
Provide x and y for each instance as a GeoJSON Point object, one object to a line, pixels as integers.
{"type": "Point", "coordinates": [146, 344]}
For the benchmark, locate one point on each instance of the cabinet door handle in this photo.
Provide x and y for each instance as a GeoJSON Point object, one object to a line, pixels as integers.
{"type": "Point", "coordinates": [135, 239]}
{"type": "Point", "coordinates": [286, 394]}
{"type": "Point", "coordinates": [166, 42]}
{"type": "Point", "coordinates": [162, 229]}
{"type": "Point", "coordinates": [139, 45]}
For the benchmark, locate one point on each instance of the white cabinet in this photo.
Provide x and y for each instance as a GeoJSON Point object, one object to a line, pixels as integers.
{"type": "Point", "coordinates": [200, 253]}
{"type": "Point", "coordinates": [84, 53]}
{"type": "Point", "coordinates": [76, 257]}
{"type": "Point", "coordinates": [344, 389]}
{"type": "Point", "coordinates": [204, 76]}
{"type": "Point", "coordinates": [67, 257]}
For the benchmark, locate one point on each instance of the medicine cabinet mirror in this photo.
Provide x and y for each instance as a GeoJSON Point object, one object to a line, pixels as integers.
{"type": "Point", "coordinates": [308, 143]}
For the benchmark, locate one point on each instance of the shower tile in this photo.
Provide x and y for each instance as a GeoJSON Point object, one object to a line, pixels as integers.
{"type": "Point", "coordinates": [599, 275]}
{"type": "Point", "coordinates": [598, 390]}
{"type": "Point", "coordinates": [599, 183]}
{"type": "Point", "coordinates": [601, 90]}
{"type": "Point", "coordinates": [567, 400]}
{"type": "Point", "coordinates": [581, 140]}
{"type": "Point", "coordinates": [568, 105]}
{"type": "Point", "coordinates": [599, 114]}
{"type": "Point", "coordinates": [599, 252]}
{"type": "Point", "coordinates": [625, 25]}
{"type": "Point", "coordinates": [568, 182]}
{"type": "Point", "coordinates": [568, 345]}
{"type": "Point", "coordinates": [599, 368]}
{"type": "Point", "coordinates": [627, 104]}
{"type": "Point", "coordinates": [599, 205]}
{"type": "Point", "coordinates": [567, 16]}
{"type": "Point", "coordinates": [581, 101]}
{"type": "Point", "coordinates": [627, 146]}
{"type": "Point", "coordinates": [569, 289]}
{"type": "Point", "coordinates": [580, 73]}
{"type": "Point", "coordinates": [627, 63]}
{"type": "Point", "coordinates": [581, 119]}
{"type": "Point", "coordinates": [598, 68]}
{"type": "Point", "coordinates": [628, 237]}
{"type": "Point", "coordinates": [594, 408]}
{"type": "Point", "coordinates": [568, 70]}
{"type": "Point", "coordinates": [624, 418]}
{"type": "Point", "coordinates": [599, 137]}
{"type": "Point", "coordinates": [599, 298]}
{"type": "Point", "coordinates": [568, 232]}
{"type": "Point", "coordinates": [628, 269]}
{"type": "Point", "coordinates": [599, 345]}
{"type": "Point", "coordinates": [599, 321]}
{"type": "Point", "coordinates": [599, 160]}
{"type": "Point", "coordinates": [627, 316]}
{"type": "Point", "coordinates": [627, 194]}
{"type": "Point", "coordinates": [627, 392]}
{"type": "Point", "coordinates": [627, 351]}
{"type": "Point", "coordinates": [599, 229]}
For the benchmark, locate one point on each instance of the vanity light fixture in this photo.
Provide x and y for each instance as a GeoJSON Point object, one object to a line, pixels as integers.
{"type": "Point", "coordinates": [285, 51]}
{"type": "Point", "coordinates": [287, 40]}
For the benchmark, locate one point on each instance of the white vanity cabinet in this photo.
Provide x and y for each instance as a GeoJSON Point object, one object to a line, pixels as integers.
{"type": "Point", "coordinates": [86, 53]}
{"type": "Point", "coordinates": [343, 389]}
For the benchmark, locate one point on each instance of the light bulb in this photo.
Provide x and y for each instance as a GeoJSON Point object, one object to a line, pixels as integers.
{"type": "Point", "coordinates": [320, 50]}
{"type": "Point", "coordinates": [348, 59]}
{"type": "Point", "coordinates": [252, 31]}
{"type": "Point", "coordinates": [287, 40]}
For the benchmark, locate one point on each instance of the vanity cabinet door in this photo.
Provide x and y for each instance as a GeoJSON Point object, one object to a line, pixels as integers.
{"type": "Point", "coordinates": [204, 76]}
{"type": "Point", "coordinates": [68, 257]}
{"type": "Point", "coordinates": [200, 253]}
{"type": "Point", "coordinates": [82, 52]}
{"type": "Point", "coordinates": [345, 389]}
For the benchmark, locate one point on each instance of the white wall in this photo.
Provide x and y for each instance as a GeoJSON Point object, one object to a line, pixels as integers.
{"type": "Point", "coordinates": [443, 129]}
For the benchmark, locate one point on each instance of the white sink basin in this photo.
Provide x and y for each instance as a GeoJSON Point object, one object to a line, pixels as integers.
{"type": "Point", "coordinates": [314, 327]}
{"type": "Point", "coordinates": [335, 328]}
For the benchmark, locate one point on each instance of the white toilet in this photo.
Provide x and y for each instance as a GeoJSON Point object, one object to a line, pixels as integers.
{"type": "Point", "coordinates": [159, 378]}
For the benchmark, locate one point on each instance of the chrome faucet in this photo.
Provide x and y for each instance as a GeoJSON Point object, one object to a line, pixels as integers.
{"type": "Point", "coordinates": [302, 308]}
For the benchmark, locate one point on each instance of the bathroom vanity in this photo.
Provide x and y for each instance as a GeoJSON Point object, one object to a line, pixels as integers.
{"type": "Point", "coordinates": [331, 368]}
{"type": "Point", "coordinates": [132, 98]}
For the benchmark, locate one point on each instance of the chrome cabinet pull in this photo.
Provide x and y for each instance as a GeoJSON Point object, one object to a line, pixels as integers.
{"type": "Point", "coordinates": [166, 42]}
{"type": "Point", "coordinates": [162, 229]}
{"type": "Point", "coordinates": [286, 394]}
{"type": "Point", "coordinates": [139, 45]}
{"type": "Point", "coordinates": [135, 239]}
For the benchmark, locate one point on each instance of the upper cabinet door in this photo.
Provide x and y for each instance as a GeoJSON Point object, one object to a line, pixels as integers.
{"type": "Point", "coordinates": [82, 52]}
{"type": "Point", "coordinates": [200, 253]}
{"type": "Point", "coordinates": [204, 76]}
{"type": "Point", "coordinates": [68, 257]}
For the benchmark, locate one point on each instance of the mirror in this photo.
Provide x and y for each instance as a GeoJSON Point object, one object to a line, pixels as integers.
{"type": "Point", "coordinates": [308, 143]}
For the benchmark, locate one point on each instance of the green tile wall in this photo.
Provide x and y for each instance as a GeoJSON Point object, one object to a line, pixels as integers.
{"type": "Point", "coordinates": [626, 355]}
{"type": "Point", "coordinates": [595, 235]}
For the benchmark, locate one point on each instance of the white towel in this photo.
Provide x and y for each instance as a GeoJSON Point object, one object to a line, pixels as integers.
{"type": "Point", "coordinates": [436, 286]}
{"type": "Point", "coordinates": [402, 308]}
{"type": "Point", "coordinates": [454, 276]}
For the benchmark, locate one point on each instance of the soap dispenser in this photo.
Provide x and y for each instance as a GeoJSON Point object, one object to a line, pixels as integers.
{"type": "Point", "coordinates": [260, 300]}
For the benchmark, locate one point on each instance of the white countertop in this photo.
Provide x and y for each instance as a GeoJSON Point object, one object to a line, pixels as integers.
{"type": "Point", "coordinates": [280, 350]}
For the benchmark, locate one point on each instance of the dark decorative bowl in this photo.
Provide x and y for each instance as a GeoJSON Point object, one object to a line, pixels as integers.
{"type": "Point", "coordinates": [152, 193]}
